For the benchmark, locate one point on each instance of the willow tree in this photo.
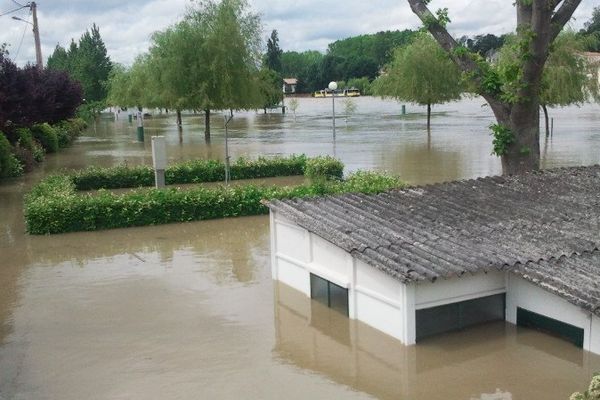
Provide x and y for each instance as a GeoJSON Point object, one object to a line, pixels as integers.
{"type": "Point", "coordinates": [567, 78]}
{"type": "Point", "coordinates": [420, 72]}
{"type": "Point", "coordinates": [172, 63]}
{"type": "Point", "coordinates": [513, 94]}
{"type": "Point", "coordinates": [228, 53]}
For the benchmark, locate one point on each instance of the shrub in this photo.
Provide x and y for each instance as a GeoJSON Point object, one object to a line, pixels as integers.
{"type": "Point", "coordinates": [54, 206]}
{"type": "Point", "coordinates": [47, 136]}
{"type": "Point", "coordinates": [6, 161]}
{"type": "Point", "coordinates": [67, 131]}
{"type": "Point", "coordinates": [27, 142]}
{"type": "Point", "coordinates": [189, 172]}
{"type": "Point", "coordinates": [9, 164]}
{"type": "Point", "coordinates": [324, 167]}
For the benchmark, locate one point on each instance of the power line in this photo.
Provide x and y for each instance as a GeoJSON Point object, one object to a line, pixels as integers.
{"type": "Point", "coordinates": [12, 11]}
{"type": "Point", "coordinates": [22, 37]}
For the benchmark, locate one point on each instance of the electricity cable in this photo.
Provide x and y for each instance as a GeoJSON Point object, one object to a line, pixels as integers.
{"type": "Point", "coordinates": [12, 11]}
{"type": "Point", "coordinates": [22, 37]}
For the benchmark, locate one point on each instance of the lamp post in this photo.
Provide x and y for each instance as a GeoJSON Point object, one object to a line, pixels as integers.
{"type": "Point", "coordinates": [333, 87]}
{"type": "Point", "coordinates": [36, 33]}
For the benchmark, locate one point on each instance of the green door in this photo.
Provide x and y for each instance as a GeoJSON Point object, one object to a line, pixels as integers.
{"type": "Point", "coordinates": [529, 319]}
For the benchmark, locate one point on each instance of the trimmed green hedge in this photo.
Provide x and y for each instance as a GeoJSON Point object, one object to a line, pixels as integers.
{"type": "Point", "coordinates": [54, 206]}
{"type": "Point", "coordinates": [198, 171]}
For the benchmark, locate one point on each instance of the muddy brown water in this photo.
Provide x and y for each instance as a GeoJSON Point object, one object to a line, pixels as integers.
{"type": "Point", "coordinates": [188, 311]}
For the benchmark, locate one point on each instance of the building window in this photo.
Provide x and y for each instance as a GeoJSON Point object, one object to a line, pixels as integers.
{"type": "Point", "coordinates": [328, 293]}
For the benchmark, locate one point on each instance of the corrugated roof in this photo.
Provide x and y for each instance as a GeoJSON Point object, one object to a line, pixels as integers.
{"type": "Point", "coordinates": [521, 223]}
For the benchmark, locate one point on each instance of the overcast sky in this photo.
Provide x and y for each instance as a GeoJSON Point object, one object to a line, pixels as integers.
{"type": "Point", "coordinates": [126, 26]}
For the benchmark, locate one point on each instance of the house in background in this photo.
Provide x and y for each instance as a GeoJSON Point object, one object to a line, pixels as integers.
{"type": "Point", "coordinates": [289, 85]}
{"type": "Point", "coordinates": [593, 59]}
{"type": "Point", "coordinates": [422, 261]}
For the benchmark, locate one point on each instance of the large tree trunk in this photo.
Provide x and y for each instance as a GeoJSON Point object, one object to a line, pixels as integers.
{"type": "Point", "coordinates": [538, 24]}
{"type": "Point", "coordinates": [179, 118]}
{"type": "Point", "coordinates": [428, 116]}
{"type": "Point", "coordinates": [524, 153]}
{"type": "Point", "coordinates": [546, 119]}
{"type": "Point", "coordinates": [207, 124]}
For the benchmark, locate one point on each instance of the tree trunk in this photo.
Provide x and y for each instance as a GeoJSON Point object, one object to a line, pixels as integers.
{"type": "Point", "coordinates": [207, 124]}
{"type": "Point", "coordinates": [179, 118]}
{"type": "Point", "coordinates": [546, 119]}
{"type": "Point", "coordinates": [524, 153]}
{"type": "Point", "coordinates": [265, 109]}
{"type": "Point", "coordinates": [428, 116]}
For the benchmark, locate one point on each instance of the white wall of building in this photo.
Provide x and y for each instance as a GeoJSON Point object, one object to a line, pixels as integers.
{"type": "Point", "coordinates": [388, 305]}
{"type": "Point", "coordinates": [467, 287]}
{"type": "Point", "coordinates": [524, 294]}
{"type": "Point", "coordinates": [373, 296]}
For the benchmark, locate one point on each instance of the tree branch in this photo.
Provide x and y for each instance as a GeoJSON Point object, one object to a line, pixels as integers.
{"type": "Point", "coordinates": [449, 44]}
{"type": "Point", "coordinates": [562, 16]}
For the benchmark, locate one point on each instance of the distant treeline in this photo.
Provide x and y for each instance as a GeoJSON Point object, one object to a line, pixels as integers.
{"type": "Point", "coordinates": [357, 61]}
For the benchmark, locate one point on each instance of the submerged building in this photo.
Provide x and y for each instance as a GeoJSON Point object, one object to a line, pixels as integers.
{"type": "Point", "coordinates": [426, 260]}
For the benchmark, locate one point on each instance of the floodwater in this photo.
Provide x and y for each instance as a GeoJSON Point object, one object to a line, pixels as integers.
{"type": "Point", "coordinates": [189, 311]}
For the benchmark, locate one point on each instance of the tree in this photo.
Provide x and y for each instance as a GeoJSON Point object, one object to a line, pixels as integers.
{"type": "Point", "coordinates": [421, 72]}
{"type": "Point", "coordinates": [513, 96]}
{"type": "Point", "coordinates": [592, 31]}
{"type": "Point", "coordinates": [227, 55]}
{"type": "Point", "coordinates": [88, 63]}
{"type": "Point", "coordinates": [273, 57]}
{"type": "Point", "coordinates": [483, 44]}
{"type": "Point", "coordinates": [269, 83]}
{"type": "Point", "coordinates": [566, 79]}
{"type": "Point", "coordinates": [29, 95]}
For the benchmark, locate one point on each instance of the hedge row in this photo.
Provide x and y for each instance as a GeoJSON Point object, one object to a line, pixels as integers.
{"type": "Point", "coordinates": [22, 148]}
{"type": "Point", "coordinates": [54, 206]}
{"type": "Point", "coordinates": [206, 171]}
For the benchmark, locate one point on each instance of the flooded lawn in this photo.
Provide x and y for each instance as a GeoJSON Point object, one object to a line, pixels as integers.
{"type": "Point", "coordinates": [188, 311]}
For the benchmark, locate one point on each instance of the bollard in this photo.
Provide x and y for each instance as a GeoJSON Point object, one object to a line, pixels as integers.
{"type": "Point", "coordinates": [159, 160]}
{"type": "Point", "coordinates": [403, 109]}
{"type": "Point", "coordinates": [140, 127]}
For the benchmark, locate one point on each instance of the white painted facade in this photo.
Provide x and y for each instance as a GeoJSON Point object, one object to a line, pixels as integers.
{"type": "Point", "coordinates": [389, 305]}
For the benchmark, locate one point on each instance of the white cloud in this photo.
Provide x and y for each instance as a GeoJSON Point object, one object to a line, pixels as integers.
{"type": "Point", "coordinates": [302, 24]}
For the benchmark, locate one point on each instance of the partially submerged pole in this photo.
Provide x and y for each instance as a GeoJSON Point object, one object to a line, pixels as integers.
{"type": "Point", "coordinates": [140, 126]}
{"type": "Point", "coordinates": [159, 160]}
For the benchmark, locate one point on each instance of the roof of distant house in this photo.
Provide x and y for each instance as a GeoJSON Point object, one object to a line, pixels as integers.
{"type": "Point", "coordinates": [543, 226]}
{"type": "Point", "coordinates": [290, 81]}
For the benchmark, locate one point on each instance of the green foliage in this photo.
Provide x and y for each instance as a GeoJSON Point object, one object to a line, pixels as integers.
{"type": "Point", "coordinates": [69, 130]}
{"type": "Point", "coordinates": [27, 142]}
{"type": "Point", "coordinates": [195, 172]}
{"type": "Point", "coordinates": [272, 59]}
{"type": "Point", "coordinates": [9, 164]}
{"type": "Point", "coordinates": [591, 31]}
{"type": "Point", "coordinates": [370, 182]}
{"type": "Point", "coordinates": [420, 72]}
{"type": "Point", "coordinates": [270, 87]}
{"type": "Point", "coordinates": [6, 163]}
{"type": "Point", "coordinates": [503, 138]}
{"type": "Point", "coordinates": [592, 393]}
{"type": "Point", "coordinates": [324, 167]}
{"type": "Point", "coordinates": [53, 206]}
{"type": "Point", "coordinates": [87, 62]}
{"type": "Point", "coordinates": [566, 79]}
{"type": "Point", "coordinates": [363, 84]}
{"type": "Point", "coordinates": [47, 137]}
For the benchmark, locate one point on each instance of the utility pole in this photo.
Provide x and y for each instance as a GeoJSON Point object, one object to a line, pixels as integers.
{"type": "Point", "coordinates": [36, 36]}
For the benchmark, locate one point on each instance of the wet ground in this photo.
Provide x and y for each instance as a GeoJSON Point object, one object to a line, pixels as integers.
{"type": "Point", "coordinates": [189, 311]}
